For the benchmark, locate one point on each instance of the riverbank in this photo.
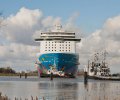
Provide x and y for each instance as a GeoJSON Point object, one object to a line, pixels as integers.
{"type": "Point", "coordinates": [4, 74]}
{"type": "Point", "coordinates": [8, 71]}
{"type": "Point", "coordinates": [4, 97]}
{"type": "Point", "coordinates": [18, 74]}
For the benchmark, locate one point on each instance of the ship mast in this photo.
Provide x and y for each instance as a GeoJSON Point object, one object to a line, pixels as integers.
{"type": "Point", "coordinates": [105, 53]}
{"type": "Point", "coordinates": [104, 57]}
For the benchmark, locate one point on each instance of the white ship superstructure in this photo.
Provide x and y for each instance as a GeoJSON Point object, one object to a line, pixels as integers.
{"type": "Point", "coordinates": [57, 42]}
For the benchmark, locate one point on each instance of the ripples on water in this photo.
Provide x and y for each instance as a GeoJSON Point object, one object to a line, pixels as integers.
{"type": "Point", "coordinates": [59, 89]}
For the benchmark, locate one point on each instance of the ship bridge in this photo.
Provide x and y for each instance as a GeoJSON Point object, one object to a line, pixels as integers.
{"type": "Point", "coordinates": [63, 36]}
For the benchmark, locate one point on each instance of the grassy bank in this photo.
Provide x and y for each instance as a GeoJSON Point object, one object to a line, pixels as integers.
{"type": "Point", "coordinates": [8, 71]}
{"type": "Point", "coordinates": [18, 74]}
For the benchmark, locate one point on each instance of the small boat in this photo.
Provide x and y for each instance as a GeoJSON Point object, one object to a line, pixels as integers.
{"type": "Point", "coordinates": [98, 68]}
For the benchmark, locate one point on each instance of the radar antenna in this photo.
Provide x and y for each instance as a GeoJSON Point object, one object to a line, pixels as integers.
{"type": "Point", "coordinates": [58, 27]}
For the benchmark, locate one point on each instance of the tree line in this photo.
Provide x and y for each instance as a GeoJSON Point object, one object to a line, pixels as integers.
{"type": "Point", "coordinates": [7, 70]}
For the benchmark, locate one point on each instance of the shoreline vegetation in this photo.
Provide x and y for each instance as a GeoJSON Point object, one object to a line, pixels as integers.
{"type": "Point", "coordinates": [4, 97]}
{"type": "Point", "coordinates": [10, 72]}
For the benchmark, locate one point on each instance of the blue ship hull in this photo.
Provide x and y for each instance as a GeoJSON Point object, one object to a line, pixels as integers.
{"type": "Point", "coordinates": [66, 63]}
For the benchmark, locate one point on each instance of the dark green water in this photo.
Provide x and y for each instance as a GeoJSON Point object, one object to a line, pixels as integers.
{"type": "Point", "coordinates": [59, 89]}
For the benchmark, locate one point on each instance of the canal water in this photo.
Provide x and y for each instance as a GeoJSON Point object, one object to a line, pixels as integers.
{"type": "Point", "coordinates": [59, 89]}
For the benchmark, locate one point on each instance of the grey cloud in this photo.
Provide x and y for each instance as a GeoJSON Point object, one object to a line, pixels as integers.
{"type": "Point", "coordinates": [107, 38]}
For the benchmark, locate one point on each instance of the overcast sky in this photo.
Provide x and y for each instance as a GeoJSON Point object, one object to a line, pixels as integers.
{"type": "Point", "coordinates": [96, 22]}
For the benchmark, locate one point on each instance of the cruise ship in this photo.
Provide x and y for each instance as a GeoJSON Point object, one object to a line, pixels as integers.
{"type": "Point", "coordinates": [57, 53]}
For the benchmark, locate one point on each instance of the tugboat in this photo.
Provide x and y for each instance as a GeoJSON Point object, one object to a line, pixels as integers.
{"type": "Point", "coordinates": [98, 68]}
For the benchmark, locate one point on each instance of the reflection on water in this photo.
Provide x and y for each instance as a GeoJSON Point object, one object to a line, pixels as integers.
{"type": "Point", "coordinates": [60, 89]}
{"type": "Point", "coordinates": [102, 90]}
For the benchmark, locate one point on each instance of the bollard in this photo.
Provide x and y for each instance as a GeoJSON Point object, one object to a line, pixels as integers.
{"type": "Point", "coordinates": [51, 76]}
{"type": "Point", "coordinates": [20, 75]}
{"type": "Point", "coordinates": [36, 98]}
{"type": "Point", "coordinates": [85, 75]}
{"type": "Point", "coordinates": [31, 97]}
{"type": "Point", "coordinates": [0, 95]}
{"type": "Point", "coordinates": [25, 75]}
{"type": "Point", "coordinates": [43, 98]}
{"type": "Point", "coordinates": [6, 98]}
{"type": "Point", "coordinates": [15, 98]}
{"type": "Point", "coordinates": [85, 78]}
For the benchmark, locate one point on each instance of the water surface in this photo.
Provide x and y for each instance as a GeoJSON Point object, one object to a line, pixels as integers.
{"type": "Point", "coordinates": [59, 89]}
